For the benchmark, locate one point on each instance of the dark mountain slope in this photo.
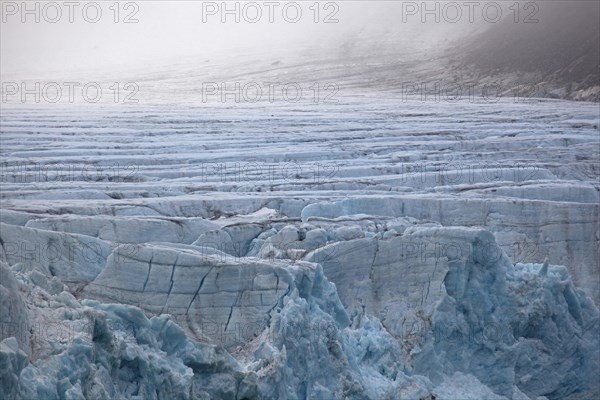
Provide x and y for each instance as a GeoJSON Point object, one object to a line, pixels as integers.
{"type": "Point", "coordinates": [563, 48]}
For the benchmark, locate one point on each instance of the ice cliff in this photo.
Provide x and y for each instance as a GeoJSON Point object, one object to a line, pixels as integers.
{"type": "Point", "coordinates": [412, 325]}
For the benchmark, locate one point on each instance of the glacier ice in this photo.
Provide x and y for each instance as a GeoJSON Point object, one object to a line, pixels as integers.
{"type": "Point", "coordinates": [485, 328]}
{"type": "Point", "coordinates": [383, 274]}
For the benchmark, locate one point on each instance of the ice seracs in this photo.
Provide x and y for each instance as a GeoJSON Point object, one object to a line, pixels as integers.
{"type": "Point", "coordinates": [232, 265]}
{"type": "Point", "coordinates": [544, 270]}
{"type": "Point", "coordinates": [485, 327]}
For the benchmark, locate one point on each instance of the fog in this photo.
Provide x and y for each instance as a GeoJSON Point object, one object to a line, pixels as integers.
{"type": "Point", "coordinates": [173, 31]}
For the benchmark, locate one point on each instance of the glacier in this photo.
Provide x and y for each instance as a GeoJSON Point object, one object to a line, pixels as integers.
{"type": "Point", "coordinates": [367, 250]}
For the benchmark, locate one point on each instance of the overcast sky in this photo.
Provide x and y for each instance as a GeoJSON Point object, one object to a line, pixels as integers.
{"type": "Point", "coordinates": [175, 31]}
{"type": "Point", "coordinates": [170, 30]}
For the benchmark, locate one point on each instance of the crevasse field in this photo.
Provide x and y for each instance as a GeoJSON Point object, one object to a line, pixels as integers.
{"type": "Point", "coordinates": [369, 249]}
{"type": "Point", "coordinates": [370, 203]}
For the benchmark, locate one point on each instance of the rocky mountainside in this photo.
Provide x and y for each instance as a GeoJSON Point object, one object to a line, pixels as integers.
{"type": "Point", "coordinates": [555, 54]}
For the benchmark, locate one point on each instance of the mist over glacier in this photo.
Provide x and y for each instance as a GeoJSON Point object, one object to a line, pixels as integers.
{"type": "Point", "coordinates": [376, 208]}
